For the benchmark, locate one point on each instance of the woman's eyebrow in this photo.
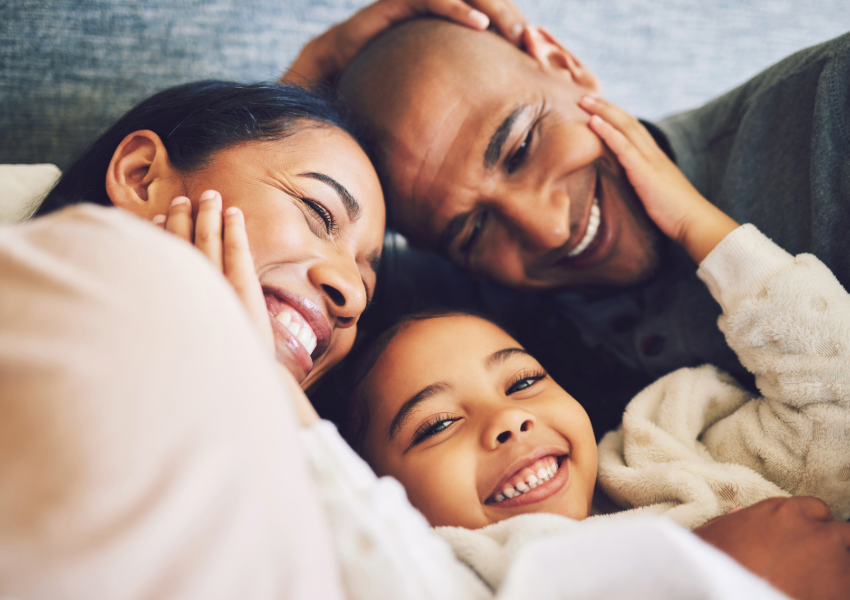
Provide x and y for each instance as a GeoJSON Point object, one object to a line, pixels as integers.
{"type": "Point", "coordinates": [406, 410]}
{"type": "Point", "coordinates": [352, 207]}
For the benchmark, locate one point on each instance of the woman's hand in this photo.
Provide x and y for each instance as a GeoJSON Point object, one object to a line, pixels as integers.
{"type": "Point", "coordinates": [223, 240]}
{"type": "Point", "coordinates": [325, 56]}
{"type": "Point", "coordinates": [675, 206]}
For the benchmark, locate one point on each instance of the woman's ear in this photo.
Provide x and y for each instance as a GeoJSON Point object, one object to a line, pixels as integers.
{"type": "Point", "coordinates": [140, 178]}
{"type": "Point", "coordinates": [546, 50]}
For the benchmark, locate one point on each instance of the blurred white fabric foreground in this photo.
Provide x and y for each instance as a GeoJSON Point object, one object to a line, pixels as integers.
{"type": "Point", "coordinates": [147, 449]}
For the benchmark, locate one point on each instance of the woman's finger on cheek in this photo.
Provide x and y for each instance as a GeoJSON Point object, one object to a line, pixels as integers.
{"type": "Point", "coordinates": [179, 219]}
{"type": "Point", "coordinates": [239, 270]}
{"type": "Point", "coordinates": [208, 227]}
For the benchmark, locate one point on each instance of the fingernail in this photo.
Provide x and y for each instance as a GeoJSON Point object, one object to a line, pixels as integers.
{"type": "Point", "coordinates": [596, 119]}
{"type": "Point", "coordinates": [208, 195]}
{"type": "Point", "coordinates": [178, 200]}
{"type": "Point", "coordinates": [588, 99]}
{"type": "Point", "coordinates": [478, 18]}
{"type": "Point", "coordinates": [231, 211]}
{"type": "Point", "coordinates": [158, 220]}
{"type": "Point", "coordinates": [517, 30]}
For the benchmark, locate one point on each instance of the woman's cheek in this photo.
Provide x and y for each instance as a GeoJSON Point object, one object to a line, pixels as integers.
{"type": "Point", "coordinates": [343, 340]}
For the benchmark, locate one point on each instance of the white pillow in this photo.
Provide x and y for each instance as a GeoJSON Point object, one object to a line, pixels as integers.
{"type": "Point", "coordinates": [22, 188]}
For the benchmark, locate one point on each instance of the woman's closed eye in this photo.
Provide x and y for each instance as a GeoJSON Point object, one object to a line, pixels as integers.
{"type": "Point", "coordinates": [321, 213]}
{"type": "Point", "coordinates": [433, 426]}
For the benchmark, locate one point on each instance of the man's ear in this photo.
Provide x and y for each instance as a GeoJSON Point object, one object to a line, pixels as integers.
{"type": "Point", "coordinates": [546, 50]}
{"type": "Point", "coordinates": [140, 178]}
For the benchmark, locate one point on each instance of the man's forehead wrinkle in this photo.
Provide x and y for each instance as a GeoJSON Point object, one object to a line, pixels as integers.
{"type": "Point", "coordinates": [425, 195]}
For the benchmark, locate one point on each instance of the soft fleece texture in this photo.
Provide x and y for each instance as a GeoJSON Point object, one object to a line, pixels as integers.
{"type": "Point", "coordinates": [695, 444]}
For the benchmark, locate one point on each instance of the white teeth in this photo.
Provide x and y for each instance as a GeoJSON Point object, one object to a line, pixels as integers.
{"type": "Point", "coordinates": [303, 333]}
{"type": "Point", "coordinates": [500, 497]}
{"type": "Point", "coordinates": [543, 474]}
{"type": "Point", "coordinates": [510, 492]}
{"type": "Point", "coordinates": [592, 229]}
{"type": "Point", "coordinates": [533, 481]}
{"type": "Point", "coordinates": [522, 487]}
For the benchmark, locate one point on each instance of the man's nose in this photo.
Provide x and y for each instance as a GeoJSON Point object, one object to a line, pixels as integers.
{"type": "Point", "coordinates": [540, 217]}
{"type": "Point", "coordinates": [507, 424]}
{"type": "Point", "coordinates": [340, 283]}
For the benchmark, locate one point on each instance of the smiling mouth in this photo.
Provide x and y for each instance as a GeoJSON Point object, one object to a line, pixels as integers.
{"type": "Point", "coordinates": [297, 326]}
{"type": "Point", "coordinates": [590, 233]}
{"type": "Point", "coordinates": [539, 473]}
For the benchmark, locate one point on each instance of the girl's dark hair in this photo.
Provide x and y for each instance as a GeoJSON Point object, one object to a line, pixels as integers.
{"type": "Point", "coordinates": [194, 121]}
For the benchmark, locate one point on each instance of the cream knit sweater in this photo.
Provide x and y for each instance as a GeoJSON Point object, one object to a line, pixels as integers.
{"type": "Point", "coordinates": [694, 444]}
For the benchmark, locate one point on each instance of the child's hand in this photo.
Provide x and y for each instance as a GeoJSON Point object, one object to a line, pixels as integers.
{"type": "Point", "coordinates": [325, 56]}
{"type": "Point", "coordinates": [223, 240]}
{"type": "Point", "coordinates": [678, 209]}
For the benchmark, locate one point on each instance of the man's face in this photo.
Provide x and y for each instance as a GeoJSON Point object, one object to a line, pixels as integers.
{"type": "Point", "coordinates": [494, 165]}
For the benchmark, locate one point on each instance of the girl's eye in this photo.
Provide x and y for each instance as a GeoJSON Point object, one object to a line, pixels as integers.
{"type": "Point", "coordinates": [524, 381]}
{"type": "Point", "coordinates": [517, 159]}
{"type": "Point", "coordinates": [432, 427]}
{"type": "Point", "coordinates": [323, 213]}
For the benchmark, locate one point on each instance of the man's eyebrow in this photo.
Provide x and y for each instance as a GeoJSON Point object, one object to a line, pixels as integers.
{"type": "Point", "coordinates": [494, 149]}
{"type": "Point", "coordinates": [500, 356]}
{"type": "Point", "coordinates": [406, 410]}
{"type": "Point", "coordinates": [352, 207]}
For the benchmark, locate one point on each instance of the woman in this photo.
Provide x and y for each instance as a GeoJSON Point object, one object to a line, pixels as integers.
{"type": "Point", "coordinates": [286, 159]}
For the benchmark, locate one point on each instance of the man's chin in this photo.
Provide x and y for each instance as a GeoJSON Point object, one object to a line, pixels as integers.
{"type": "Point", "coordinates": [618, 278]}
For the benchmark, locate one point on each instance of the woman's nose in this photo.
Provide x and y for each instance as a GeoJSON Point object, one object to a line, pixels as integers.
{"type": "Point", "coordinates": [508, 424]}
{"type": "Point", "coordinates": [340, 283]}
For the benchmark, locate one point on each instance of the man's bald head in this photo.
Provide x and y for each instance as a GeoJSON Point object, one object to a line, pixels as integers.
{"type": "Point", "coordinates": [398, 77]}
{"type": "Point", "coordinates": [486, 156]}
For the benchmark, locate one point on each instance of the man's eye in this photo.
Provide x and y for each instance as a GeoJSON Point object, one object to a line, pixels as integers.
{"type": "Point", "coordinates": [323, 213]}
{"type": "Point", "coordinates": [477, 226]}
{"type": "Point", "coordinates": [517, 159]}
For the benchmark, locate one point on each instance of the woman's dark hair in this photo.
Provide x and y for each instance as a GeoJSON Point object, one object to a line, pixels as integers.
{"type": "Point", "coordinates": [194, 121]}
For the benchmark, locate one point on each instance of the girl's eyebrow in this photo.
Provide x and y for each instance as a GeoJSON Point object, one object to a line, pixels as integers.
{"type": "Point", "coordinates": [500, 356]}
{"type": "Point", "coordinates": [406, 410]}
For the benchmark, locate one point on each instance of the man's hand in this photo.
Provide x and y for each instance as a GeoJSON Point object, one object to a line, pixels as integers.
{"type": "Point", "coordinates": [325, 56]}
{"type": "Point", "coordinates": [791, 542]}
{"type": "Point", "coordinates": [673, 204]}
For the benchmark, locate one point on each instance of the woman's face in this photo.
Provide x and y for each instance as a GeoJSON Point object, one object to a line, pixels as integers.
{"type": "Point", "coordinates": [314, 214]}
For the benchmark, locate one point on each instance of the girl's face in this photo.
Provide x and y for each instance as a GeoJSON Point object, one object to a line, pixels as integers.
{"type": "Point", "coordinates": [314, 214]}
{"type": "Point", "coordinates": [473, 427]}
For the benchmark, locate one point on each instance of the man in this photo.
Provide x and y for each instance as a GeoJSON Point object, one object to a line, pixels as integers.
{"type": "Point", "coordinates": [487, 158]}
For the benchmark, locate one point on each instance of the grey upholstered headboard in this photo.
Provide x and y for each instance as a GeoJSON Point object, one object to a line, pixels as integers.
{"type": "Point", "coordinates": [69, 68]}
